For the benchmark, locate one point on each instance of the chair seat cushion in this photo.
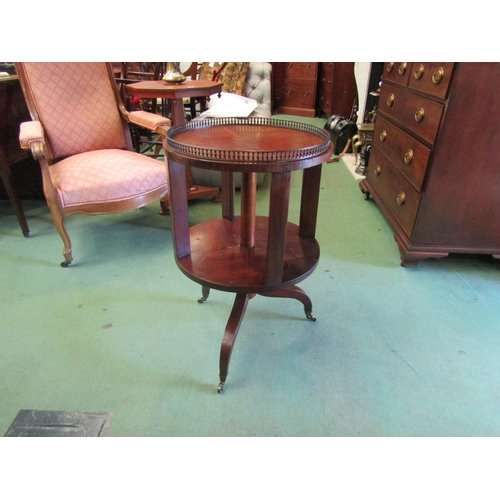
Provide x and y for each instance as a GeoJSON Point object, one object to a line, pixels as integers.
{"type": "Point", "coordinates": [106, 175]}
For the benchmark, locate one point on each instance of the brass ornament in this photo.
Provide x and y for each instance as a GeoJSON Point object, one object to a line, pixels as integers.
{"type": "Point", "coordinates": [173, 73]}
{"type": "Point", "coordinates": [419, 115]}
{"type": "Point", "coordinates": [419, 72]}
{"type": "Point", "coordinates": [408, 156]}
{"type": "Point", "coordinates": [437, 76]}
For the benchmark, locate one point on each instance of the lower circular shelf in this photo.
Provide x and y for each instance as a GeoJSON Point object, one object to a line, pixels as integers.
{"type": "Point", "coordinates": [218, 261]}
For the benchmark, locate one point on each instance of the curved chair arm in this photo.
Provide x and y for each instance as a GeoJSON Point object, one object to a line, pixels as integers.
{"type": "Point", "coordinates": [151, 121]}
{"type": "Point", "coordinates": [31, 136]}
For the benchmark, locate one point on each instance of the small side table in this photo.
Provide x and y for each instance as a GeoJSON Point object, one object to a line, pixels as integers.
{"type": "Point", "coordinates": [159, 89]}
{"type": "Point", "coordinates": [248, 254]}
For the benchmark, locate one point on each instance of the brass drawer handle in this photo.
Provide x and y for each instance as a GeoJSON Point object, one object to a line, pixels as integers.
{"type": "Point", "coordinates": [306, 93]}
{"type": "Point", "coordinates": [437, 76]}
{"type": "Point", "coordinates": [383, 136]}
{"type": "Point", "coordinates": [389, 67]}
{"type": "Point", "coordinates": [402, 68]}
{"type": "Point", "coordinates": [408, 157]}
{"type": "Point", "coordinates": [419, 114]}
{"type": "Point", "coordinates": [308, 65]}
{"type": "Point", "coordinates": [390, 100]}
{"type": "Point", "coordinates": [377, 170]}
{"type": "Point", "coordinates": [401, 198]}
{"type": "Point", "coordinates": [419, 72]}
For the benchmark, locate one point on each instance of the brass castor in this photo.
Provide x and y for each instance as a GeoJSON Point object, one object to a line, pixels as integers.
{"type": "Point", "coordinates": [220, 387]}
{"type": "Point", "coordinates": [205, 292]}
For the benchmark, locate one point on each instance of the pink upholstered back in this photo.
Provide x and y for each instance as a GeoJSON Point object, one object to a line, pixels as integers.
{"type": "Point", "coordinates": [77, 106]}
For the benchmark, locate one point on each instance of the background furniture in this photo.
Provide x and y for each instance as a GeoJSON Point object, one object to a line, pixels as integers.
{"type": "Point", "coordinates": [12, 112]}
{"type": "Point", "coordinates": [337, 89]}
{"type": "Point", "coordinates": [361, 141]}
{"type": "Point", "coordinates": [175, 93]}
{"type": "Point", "coordinates": [433, 168]}
{"type": "Point", "coordinates": [128, 73]}
{"type": "Point", "coordinates": [258, 87]}
{"type": "Point", "coordinates": [79, 133]}
{"type": "Point", "coordinates": [297, 88]}
{"type": "Point", "coordinates": [368, 78]}
{"type": "Point", "coordinates": [314, 88]}
{"type": "Point", "coordinates": [248, 254]}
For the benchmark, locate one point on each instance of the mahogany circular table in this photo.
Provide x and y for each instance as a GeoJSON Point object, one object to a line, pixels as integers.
{"type": "Point", "coordinates": [175, 93]}
{"type": "Point", "coordinates": [247, 254]}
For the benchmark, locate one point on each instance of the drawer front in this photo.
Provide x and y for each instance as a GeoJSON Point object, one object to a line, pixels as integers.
{"type": "Point", "coordinates": [417, 113]}
{"type": "Point", "coordinates": [300, 70]}
{"type": "Point", "coordinates": [326, 84]}
{"type": "Point", "coordinates": [299, 94]}
{"type": "Point", "coordinates": [397, 73]}
{"type": "Point", "coordinates": [406, 153]}
{"type": "Point", "coordinates": [325, 105]}
{"type": "Point", "coordinates": [325, 94]}
{"type": "Point", "coordinates": [431, 78]}
{"type": "Point", "coordinates": [394, 189]}
{"type": "Point", "coordinates": [327, 69]}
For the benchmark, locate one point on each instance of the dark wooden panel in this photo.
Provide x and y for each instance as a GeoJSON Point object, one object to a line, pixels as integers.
{"type": "Point", "coordinates": [458, 210]}
{"type": "Point", "coordinates": [403, 107]}
{"type": "Point", "coordinates": [405, 152]}
{"type": "Point", "coordinates": [463, 189]}
{"type": "Point", "coordinates": [26, 175]}
{"type": "Point", "coordinates": [299, 93]}
{"type": "Point", "coordinates": [300, 70]}
{"type": "Point", "coordinates": [431, 78]}
{"type": "Point", "coordinates": [398, 72]}
{"type": "Point", "coordinates": [337, 89]}
{"type": "Point", "coordinates": [398, 194]}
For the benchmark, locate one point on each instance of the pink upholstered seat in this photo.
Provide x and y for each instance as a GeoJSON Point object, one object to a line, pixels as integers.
{"type": "Point", "coordinates": [105, 175]}
{"type": "Point", "coordinates": [81, 138]}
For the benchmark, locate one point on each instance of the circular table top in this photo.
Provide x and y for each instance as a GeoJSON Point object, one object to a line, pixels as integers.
{"type": "Point", "coordinates": [249, 140]}
{"type": "Point", "coordinates": [160, 88]}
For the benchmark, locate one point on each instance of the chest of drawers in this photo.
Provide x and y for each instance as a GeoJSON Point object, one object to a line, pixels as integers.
{"type": "Point", "coordinates": [298, 88]}
{"type": "Point", "coordinates": [434, 168]}
{"type": "Point", "coordinates": [337, 88]}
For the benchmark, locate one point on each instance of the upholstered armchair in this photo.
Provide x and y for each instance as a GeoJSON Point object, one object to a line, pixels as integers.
{"type": "Point", "coordinates": [79, 133]}
{"type": "Point", "coordinates": [258, 87]}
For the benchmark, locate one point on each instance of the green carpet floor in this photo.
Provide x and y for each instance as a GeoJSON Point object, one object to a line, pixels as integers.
{"type": "Point", "coordinates": [394, 351]}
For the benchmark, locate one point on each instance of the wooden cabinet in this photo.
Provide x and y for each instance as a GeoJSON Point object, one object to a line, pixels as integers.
{"type": "Point", "coordinates": [298, 83]}
{"type": "Point", "coordinates": [434, 168]}
{"type": "Point", "coordinates": [25, 174]}
{"type": "Point", "coordinates": [337, 89]}
{"type": "Point", "coordinates": [24, 179]}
